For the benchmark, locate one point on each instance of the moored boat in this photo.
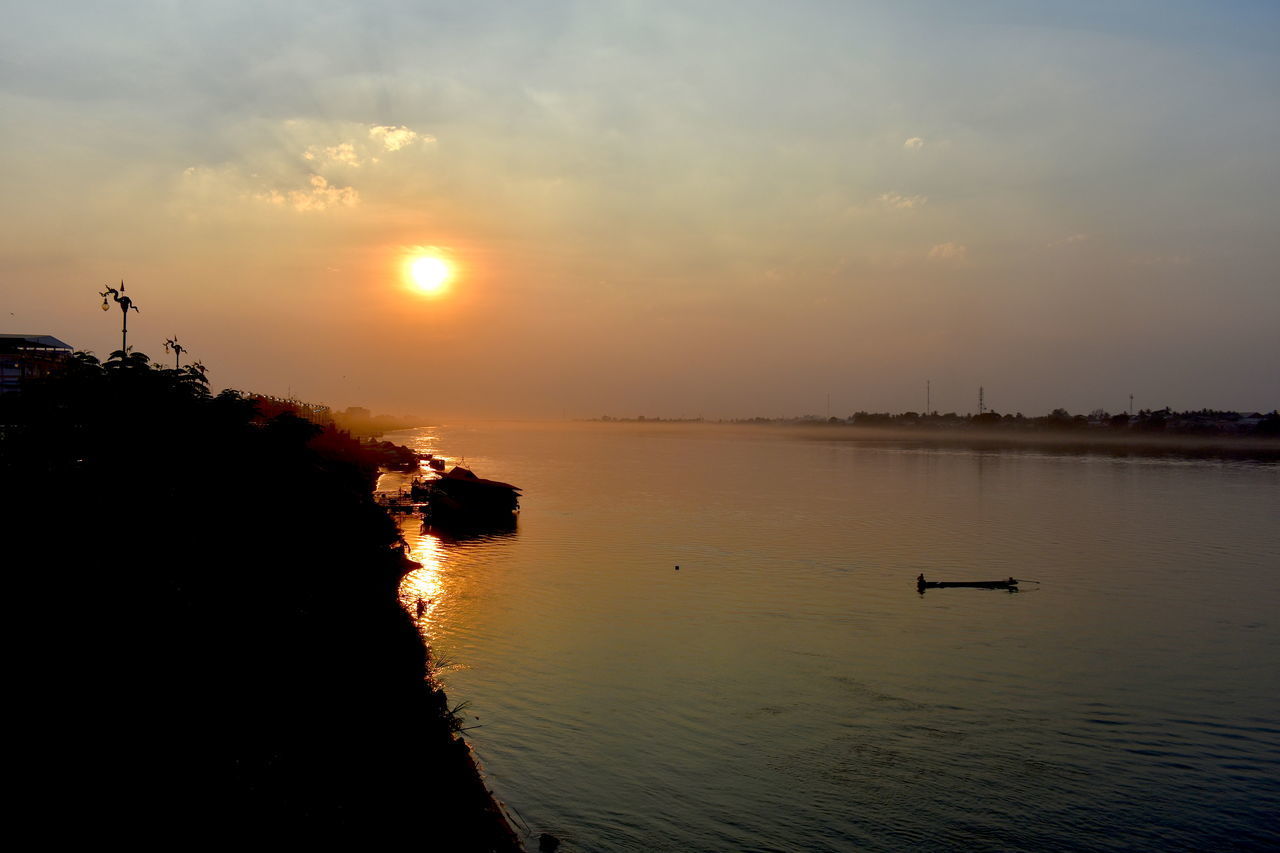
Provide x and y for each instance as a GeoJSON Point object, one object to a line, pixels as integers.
{"type": "Point", "coordinates": [1008, 583]}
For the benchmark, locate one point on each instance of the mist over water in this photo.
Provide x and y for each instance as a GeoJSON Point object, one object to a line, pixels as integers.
{"type": "Point", "coordinates": [788, 689]}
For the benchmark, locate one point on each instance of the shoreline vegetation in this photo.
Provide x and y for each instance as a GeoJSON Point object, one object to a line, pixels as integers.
{"type": "Point", "coordinates": [1203, 433]}
{"type": "Point", "coordinates": [212, 649]}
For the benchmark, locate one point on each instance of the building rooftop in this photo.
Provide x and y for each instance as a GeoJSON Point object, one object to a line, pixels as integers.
{"type": "Point", "coordinates": [34, 341]}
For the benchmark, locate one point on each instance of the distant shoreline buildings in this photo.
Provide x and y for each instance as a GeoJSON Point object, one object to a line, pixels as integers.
{"type": "Point", "coordinates": [1146, 422]}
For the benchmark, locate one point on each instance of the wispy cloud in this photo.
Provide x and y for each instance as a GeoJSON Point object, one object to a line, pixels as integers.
{"type": "Point", "coordinates": [343, 153]}
{"type": "Point", "coordinates": [321, 196]}
{"type": "Point", "coordinates": [307, 166]}
{"type": "Point", "coordinates": [949, 252]}
{"type": "Point", "coordinates": [1069, 240]}
{"type": "Point", "coordinates": [915, 143]}
{"type": "Point", "coordinates": [357, 152]}
{"type": "Point", "coordinates": [395, 138]}
{"type": "Point", "coordinates": [901, 202]}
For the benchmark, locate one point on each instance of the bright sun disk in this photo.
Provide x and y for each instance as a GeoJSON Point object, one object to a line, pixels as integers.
{"type": "Point", "coordinates": [428, 273]}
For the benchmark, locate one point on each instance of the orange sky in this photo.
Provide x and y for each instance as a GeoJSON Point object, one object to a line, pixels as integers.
{"type": "Point", "coordinates": [715, 209]}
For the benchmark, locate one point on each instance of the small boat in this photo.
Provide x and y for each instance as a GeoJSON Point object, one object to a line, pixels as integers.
{"type": "Point", "coordinates": [1008, 583]}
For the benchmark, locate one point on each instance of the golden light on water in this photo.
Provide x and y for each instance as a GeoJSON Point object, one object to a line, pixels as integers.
{"type": "Point", "coordinates": [427, 272]}
{"type": "Point", "coordinates": [422, 590]}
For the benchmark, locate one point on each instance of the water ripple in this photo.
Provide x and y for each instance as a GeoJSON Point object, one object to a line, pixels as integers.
{"type": "Point", "coordinates": [788, 689]}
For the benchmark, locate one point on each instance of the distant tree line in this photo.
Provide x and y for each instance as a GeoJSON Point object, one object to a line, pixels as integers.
{"type": "Point", "coordinates": [1146, 421]}
{"type": "Point", "coordinates": [1201, 422]}
{"type": "Point", "coordinates": [644, 419]}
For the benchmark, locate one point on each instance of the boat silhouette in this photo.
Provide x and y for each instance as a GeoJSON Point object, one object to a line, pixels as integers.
{"type": "Point", "coordinates": [1008, 583]}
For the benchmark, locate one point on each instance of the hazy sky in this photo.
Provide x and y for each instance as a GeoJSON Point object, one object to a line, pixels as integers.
{"type": "Point", "coordinates": [665, 208]}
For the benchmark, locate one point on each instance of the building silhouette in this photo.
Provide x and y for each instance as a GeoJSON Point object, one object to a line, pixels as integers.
{"type": "Point", "coordinates": [24, 357]}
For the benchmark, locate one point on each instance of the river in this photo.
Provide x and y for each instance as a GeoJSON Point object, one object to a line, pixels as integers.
{"type": "Point", "coordinates": [787, 688]}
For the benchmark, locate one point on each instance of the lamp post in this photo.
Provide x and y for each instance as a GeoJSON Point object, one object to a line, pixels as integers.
{"type": "Point", "coordinates": [125, 304]}
{"type": "Point", "coordinates": [178, 350]}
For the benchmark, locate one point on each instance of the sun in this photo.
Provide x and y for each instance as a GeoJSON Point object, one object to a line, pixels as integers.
{"type": "Point", "coordinates": [428, 273]}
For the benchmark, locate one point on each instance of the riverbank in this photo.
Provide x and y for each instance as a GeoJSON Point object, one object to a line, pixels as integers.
{"type": "Point", "coordinates": [212, 650]}
{"type": "Point", "coordinates": [1101, 441]}
{"type": "Point", "coordinates": [1092, 441]}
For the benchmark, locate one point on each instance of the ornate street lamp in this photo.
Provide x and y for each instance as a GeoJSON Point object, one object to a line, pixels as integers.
{"type": "Point", "coordinates": [172, 344]}
{"type": "Point", "coordinates": [125, 304]}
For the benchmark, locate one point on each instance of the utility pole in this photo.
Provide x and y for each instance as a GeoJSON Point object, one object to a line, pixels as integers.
{"type": "Point", "coordinates": [1130, 405]}
{"type": "Point", "coordinates": [927, 401]}
{"type": "Point", "coordinates": [982, 406]}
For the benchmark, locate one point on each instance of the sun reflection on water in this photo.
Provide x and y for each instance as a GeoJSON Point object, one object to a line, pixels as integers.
{"type": "Point", "coordinates": [423, 589]}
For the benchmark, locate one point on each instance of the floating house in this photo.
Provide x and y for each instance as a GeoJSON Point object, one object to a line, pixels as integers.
{"type": "Point", "coordinates": [458, 496]}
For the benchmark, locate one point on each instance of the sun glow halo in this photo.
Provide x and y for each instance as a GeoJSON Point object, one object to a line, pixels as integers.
{"type": "Point", "coordinates": [428, 273]}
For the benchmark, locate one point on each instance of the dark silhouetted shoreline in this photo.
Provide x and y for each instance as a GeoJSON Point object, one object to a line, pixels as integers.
{"type": "Point", "coordinates": [210, 645]}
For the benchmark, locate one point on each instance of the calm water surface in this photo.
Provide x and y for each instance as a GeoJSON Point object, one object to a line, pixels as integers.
{"type": "Point", "coordinates": [788, 688]}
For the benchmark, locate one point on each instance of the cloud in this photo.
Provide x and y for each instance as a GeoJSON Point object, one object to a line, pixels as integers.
{"type": "Point", "coordinates": [949, 252]}
{"type": "Point", "coordinates": [307, 166]}
{"type": "Point", "coordinates": [1067, 241]}
{"type": "Point", "coordinates": [343, 153]}
{"type": "Point", "coordinates": [395, 138]}
{"type": "Point", "coordinates": [321, 196]}
{"type": "Point", "coordinates": [358, 152]}
{"type": "Point", "coordinates": [901, 202]}
{"type": "Point", "coordinates": [915, 143]}
{"type": "Point", "coordinates": [205, 182]}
